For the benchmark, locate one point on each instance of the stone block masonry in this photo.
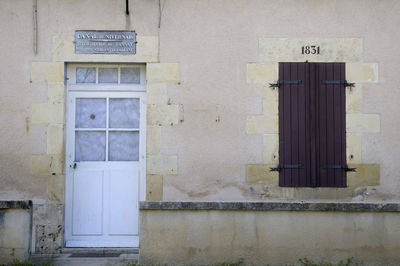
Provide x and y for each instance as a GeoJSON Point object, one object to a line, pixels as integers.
{"type": "Point", "coordinates": [160, 114]}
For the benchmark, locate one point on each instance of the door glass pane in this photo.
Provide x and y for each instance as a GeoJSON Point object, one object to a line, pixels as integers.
{"type": "Point", "coordinates": [90, 146]}
{"type": "Point", "coordinates": [123, 146]}
{"type": "Point", "coordinates": [85, 75]}
{"type": "Point", "coordinates": [124, 113]}
{"type": "Point", "coordinates": [130, 75]}
{"type": "Point", "coordinates": [90, 113]}
{"type": "Point", "coordinates": [108, 75]}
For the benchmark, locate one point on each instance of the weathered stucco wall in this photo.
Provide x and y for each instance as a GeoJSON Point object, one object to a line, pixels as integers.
{"type": "Point", "coordinates": [214, 53]}
{"type": "Point", "coordinates": [33, 97]}
{"type": "Point", "coordinates": [32, 86]}
{"type": "Point", "coordinates": [268, 237]}
{"type": "Point", "coordinates": [218, 38]}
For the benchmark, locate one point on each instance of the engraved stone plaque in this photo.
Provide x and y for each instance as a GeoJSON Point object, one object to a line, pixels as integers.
{"type": "Point", "coordinates": [105, 42]}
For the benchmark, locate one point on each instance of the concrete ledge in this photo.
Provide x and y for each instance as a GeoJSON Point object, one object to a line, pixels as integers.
{"type": "Point", "coordinates": [15, 204]}
{"type": "Point", "coordinates": [270, 206]}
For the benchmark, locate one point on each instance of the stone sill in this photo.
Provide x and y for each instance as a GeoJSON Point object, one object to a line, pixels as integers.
{"type": "Point", "coordinates": [270, 206]}
{"type": "Point", "coordinates": [15, 204]}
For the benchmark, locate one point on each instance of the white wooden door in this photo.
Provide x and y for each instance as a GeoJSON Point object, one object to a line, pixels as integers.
{"type": "Point", "coordinates": [105, 166]}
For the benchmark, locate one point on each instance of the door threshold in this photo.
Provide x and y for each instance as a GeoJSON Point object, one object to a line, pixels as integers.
{"type": "Point", "coordinates": [99, 251]}
{"type": "Point", "coordinates": [88, 256]}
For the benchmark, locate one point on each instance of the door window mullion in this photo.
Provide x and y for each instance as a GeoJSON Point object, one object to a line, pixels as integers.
{"type": "Point", "coordinates": [123, 129]}
{"type": "Point", "coordinates": [107, 126]}
{"type": "Point", "coordinates": [90, 129]}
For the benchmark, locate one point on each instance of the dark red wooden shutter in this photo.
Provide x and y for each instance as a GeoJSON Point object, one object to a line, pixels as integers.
{"type": "Point", "coordinates": [331, 125]}
{"type": "Point", "coordinates": [312, 140]}
{"type": "Point", "coordinates": [293, 121]}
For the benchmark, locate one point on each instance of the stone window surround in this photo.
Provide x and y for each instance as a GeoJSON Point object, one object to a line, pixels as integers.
{"type": "Point", "coordinates": [348, 50]}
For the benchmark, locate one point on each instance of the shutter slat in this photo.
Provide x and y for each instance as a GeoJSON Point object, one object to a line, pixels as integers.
{"type": "Point", "coordinates": [322, 132]}
{"type": "Point", "coordinates": [287, 125]}
{"type": "Point", "coordinates": [325, 118]}
{"type": "Point", "coordinates": [330, 136]}
{"type": "Point", "coordinates": [308, 178]}
{"type": "Point", "coordinates": [301, 111]}
{"type": "Point", "coordinates": [343, 182]}
{"type": "Point", "coordinates": [294, 130]}
{"type": "Point", "coordinates": [337, 141]}
{"type": "Point", "coordinates": [282, 96]}
{"type": "Point", "coordinates": [313, 122]}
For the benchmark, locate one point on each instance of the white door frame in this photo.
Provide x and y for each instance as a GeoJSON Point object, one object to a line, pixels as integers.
{"type": "Point", "coordinates": [93, 91]}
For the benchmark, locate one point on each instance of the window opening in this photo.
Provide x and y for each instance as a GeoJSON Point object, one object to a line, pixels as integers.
{"type": "Point", "coordinates": [312, 125]}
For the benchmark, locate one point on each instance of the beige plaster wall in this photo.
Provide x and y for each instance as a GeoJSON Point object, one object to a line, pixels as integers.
{"type": "Point", "coordinates": [201, 153]}
{"type": "Point", "coordinates": [32, 100]}
{"type": "Point", "coordinates": [218, 38]}
{"type": "Point", "coordinates": [32, 85]}
{"type": "Point", "coordinates": [268, 237]}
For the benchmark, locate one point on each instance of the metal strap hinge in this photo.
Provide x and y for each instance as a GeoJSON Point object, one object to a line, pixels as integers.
{"type": "Point", "coordinates": [280, 82]}
{"type": "Point", "coordinates": [339, 82]}
{"type": "Point", "coordinates": [344, 167]}
{"type": "Point", "coordinates": [286, 166]}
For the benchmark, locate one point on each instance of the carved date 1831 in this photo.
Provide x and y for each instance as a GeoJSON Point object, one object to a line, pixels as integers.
{"type": "Point", "coordinates": [310, 49]}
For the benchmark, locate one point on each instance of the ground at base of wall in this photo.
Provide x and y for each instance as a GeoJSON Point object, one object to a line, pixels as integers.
{"type": "Point", "coordinates": [87, 260]}
{"type": "Point", "coordinates": [133, 261]}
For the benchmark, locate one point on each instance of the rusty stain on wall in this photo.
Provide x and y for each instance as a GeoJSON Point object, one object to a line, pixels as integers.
{"type": "Point", "coordinates": [27, 124]}
{"type": "Point", "coordinates": [48, 238]}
